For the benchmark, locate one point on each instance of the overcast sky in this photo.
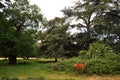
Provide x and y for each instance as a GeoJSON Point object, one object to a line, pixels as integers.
{"type": "Point", "coordinates": [52, 8]}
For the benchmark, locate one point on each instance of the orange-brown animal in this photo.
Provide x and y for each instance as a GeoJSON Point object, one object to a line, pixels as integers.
{"type": "Point", "coordinates": [80, 67]}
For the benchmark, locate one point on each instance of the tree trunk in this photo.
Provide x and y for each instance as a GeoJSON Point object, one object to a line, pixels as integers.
{"type": "Point", "coordinates": [56, 59]}
{"type": "Point", "coordinates": [12, 59]}
{"type": "Point", "coordinates": [27, 58]}
{"type": "Point", "coordinates": [88, 32]}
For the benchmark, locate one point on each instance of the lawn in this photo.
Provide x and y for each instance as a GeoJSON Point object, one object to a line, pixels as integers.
{"type": "Point", "coordinates": [37, 68]}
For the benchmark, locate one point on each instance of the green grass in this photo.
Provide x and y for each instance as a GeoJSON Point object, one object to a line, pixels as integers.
{"type": "Point", "coordinates": [37, 68]}
{"type": "Point", "coordinates": [28, 69]}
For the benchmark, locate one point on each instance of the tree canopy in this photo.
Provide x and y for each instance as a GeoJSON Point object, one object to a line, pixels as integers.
{"type": "Point", "coordinates": [16, 39]}
{"type": "Point", "coordinates": [55, 38]}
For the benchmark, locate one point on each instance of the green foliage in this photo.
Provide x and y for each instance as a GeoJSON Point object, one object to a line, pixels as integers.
{"type": "Point", "coordinates": [102, 66]}
{"type": "Point", "coordinates": [97, 51]}
{"type": "Point", "coordinates": [83, 54]}
{"type": "Point", "coordinates": [66, 65]}
{"type": "Point", "coordinates": [93, 66]}
{"type": "Point", "coordinates": [17, 29]}
{"type": "Point", "coordinates": [98, 18]}
{"type": "Point", "coordinates": [55, 36]}
{"type": "Point", "coordinates": [21, 44]}
{"type": "Point", "coordinates": [89, 13]}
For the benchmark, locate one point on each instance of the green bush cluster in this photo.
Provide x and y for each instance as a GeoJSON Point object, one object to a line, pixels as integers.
{"type": "Point", "coordinates": [97, 50]}
{"type": "Point", "coordinates": [66, 65]}
{"type": "Point", "coordinates": [94, 66]}
{"type": "Point", "coordinates": [102, 66]}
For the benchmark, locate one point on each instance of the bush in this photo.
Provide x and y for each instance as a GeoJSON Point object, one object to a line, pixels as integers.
{"type": "Point", "coordinates": [63, 66]}
{"type": "Point", "coordinates": [97, 50]}
{"type": "Point", "coordinates": [102, 66]}
{"type": "Point", "coordinates": [94, 66]}
{"type": "Point", "coordinates": [66, 65]}
{"type": "Point", "coordinates": [83, 54]}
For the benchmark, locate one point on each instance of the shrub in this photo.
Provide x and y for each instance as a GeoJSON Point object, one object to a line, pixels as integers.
{"type": "Point", "coordinates": [83, 54]}
{"type": "Point", "coordinates": [66, 65]}
{"type": "Point", "coordinates": [102, 66]}
{"type": "Point", "coordinates": [94, 66]}
{"type": "Point", "coordinates": [63, 66]}
{"type": "Point", "coordinates": [97, 51]}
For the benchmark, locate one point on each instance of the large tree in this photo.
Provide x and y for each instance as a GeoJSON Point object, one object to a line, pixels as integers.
{"type": "Point", "coordinates": [56, 36]}
{"type": "Point", "coordinates": [88, 14]}
{"type": "Point", "coordinates": [15, 40]}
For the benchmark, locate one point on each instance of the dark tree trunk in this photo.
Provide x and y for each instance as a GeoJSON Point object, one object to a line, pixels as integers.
{"type": "Point", "coordinates": [56, 59]}
{"type": "Point", "coordinates": [27, 58]}
{"type": "Point", "coordinates": [12, 59]}
{"type": "Point", "coordinates": [88, 32]}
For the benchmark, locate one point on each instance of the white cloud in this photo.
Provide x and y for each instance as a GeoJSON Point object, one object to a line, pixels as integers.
{"type": "Point", "coordinates": [52, 8]}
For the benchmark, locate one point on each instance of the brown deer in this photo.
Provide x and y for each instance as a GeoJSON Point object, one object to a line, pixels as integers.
{"type": "Point", "coordinates": [80, 67]}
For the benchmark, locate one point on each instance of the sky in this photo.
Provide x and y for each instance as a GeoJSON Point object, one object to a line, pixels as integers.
{"type": "Point", "coordinates": [52, 8]}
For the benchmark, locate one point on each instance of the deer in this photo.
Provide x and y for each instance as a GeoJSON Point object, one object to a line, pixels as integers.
{"type": "Point", "coordinates": [80, 67]}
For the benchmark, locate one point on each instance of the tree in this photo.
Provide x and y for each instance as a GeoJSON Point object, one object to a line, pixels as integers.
{"type": "Point", "coordinates": [114, 19]}
{"type": "Point", "coordinates": [26, 44]}
{"type": "Point", "coordinates": [3, 20]}
{"type": "Point", "coordinates": [56, 35]}
{"type": "Point", "coordinates": [20, 17]}
{"type": "Point", "coordinates": [111, 27]}
{"type": "Point", "coordinates": [88, 14]}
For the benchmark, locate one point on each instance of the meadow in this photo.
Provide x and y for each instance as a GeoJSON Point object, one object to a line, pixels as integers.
{"type": "Point", "coordinates": [45, 69]}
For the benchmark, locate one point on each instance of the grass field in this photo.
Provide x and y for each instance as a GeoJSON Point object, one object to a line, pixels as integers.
{"type": "Point", "coordinates": [37, 68]}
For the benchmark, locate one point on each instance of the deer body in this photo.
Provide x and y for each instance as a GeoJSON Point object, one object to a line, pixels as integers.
{"type": "Point", "coordinates": [79, 67]}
